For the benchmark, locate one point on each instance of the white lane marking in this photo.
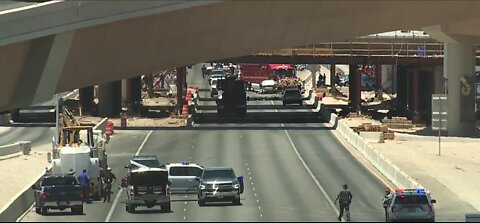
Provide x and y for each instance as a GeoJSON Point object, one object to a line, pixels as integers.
{"type": "Point", "coordinates": [184, 217]}
{"type": "Point", "coordinates": [115, 202]}
{"type": "Point", "coordinates": [184, 209]}
{"type": "Point", "coordinates": [330, 202]}
{"type": "Point", "coordinates": [25, 213]}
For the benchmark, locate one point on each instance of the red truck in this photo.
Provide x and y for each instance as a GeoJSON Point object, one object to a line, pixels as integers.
{"type": "Point", "coordinates": [256, 73]}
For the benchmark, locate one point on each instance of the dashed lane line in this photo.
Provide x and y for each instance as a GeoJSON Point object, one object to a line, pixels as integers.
{"type": "Point", "coordinates": [330, 202]}
{"type": "Point", "coordinates": [115, 202]}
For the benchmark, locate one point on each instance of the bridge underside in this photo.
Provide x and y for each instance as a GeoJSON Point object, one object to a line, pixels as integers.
{"type": "Point", "coordinates": [37, 68]}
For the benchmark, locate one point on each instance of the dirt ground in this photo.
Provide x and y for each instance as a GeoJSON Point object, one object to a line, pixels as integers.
{"type": "Point", "coordinates": [152, 122]}
{"type": "Point", "coordinates": [418, 155]}
{"type": "Point", "coordinates": [20, 172]}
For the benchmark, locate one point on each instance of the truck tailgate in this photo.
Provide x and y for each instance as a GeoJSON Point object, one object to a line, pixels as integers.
{"type": "Point", "coordinates": [63, 193]}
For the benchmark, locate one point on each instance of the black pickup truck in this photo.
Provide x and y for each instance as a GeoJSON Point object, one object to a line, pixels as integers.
{"type": "Point", "coordinates": [58, 192]}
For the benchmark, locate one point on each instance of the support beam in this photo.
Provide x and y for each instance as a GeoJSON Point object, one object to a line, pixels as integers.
{"type": "Point", "coordinates": [414, 94]}
{"type": "Point", "coordinates": [333, 79]}
{"type": "Point", "coordinates": [402, 90]}
{"type": "Point", "coordinates": [459, 67]}
{"type": "Point", "coordinates": [86, 98]}
{"type": "Point", "coordinates": [378, 78]}
{"type": "Point", "coordinates": [134, 94]}
{"type": "Point", "coordinates": [355, 87]}
{"type": "Point", "coordinates": [43, 68]}
{"type": "Point", "coordinates": [181, 86]}
{"type": "Point", "coordinates": [110, 99]}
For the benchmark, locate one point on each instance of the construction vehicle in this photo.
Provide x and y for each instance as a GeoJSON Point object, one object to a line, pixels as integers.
{"type": "Point", "coordinates": [79, 147]}
{"type": "Point", "coordinates": [232, 97]}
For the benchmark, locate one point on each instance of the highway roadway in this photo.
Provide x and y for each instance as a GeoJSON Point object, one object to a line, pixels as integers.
{"type": "Point", "coordinates": [292, 173]}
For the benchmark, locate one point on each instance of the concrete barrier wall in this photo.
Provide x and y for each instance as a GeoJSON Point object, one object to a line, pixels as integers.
{"type": "Point", "coordinates": [5, 119]}
{"type": "Point", "coordinates": [371, 136]}
{"type": "Point", "coordinates": [101, 125]}
{"type": "Point", "coordinates": [24, 200]}
{"type": "Point", "coordinates": [10, 149]}
{"type": "Point", "coordinates": [18, 205]}
{"type": "Point", "coordinates": [387, 168]}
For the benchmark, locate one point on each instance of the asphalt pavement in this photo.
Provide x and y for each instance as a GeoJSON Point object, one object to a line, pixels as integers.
{"type": "Point", "coordinates": [292, 172]}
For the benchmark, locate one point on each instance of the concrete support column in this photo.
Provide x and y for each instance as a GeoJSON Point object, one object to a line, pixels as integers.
{"type": "Point", "coordinates": [459, 68]}
{"type": "Point", "coordinates": [459, 65]}
{"type": "Point", "coordinates": [181, 86]}
{"type": "Point", "coordinates": [414, 96]}
{"type": "Point", "coordinates": [134, 93]}
{"type": "Point", "coordinates": [402, 88]}
{"type": "Point", "coordinates": [43, 67]}
{"type": "Point", "coordinates": [378, 78]}
{"type": "Point", "coordinates": [438, 79]}
{"type": "Point", "coordinates": [333, 79]}
{"type": "Point", "coordinates": [124, 92]}
{"type": "Point", "coordinates": [355, 87]}
{"type": "Point", "coordinates": [86, 98]}
{"type": "Point", "coordinates": [110, 99]}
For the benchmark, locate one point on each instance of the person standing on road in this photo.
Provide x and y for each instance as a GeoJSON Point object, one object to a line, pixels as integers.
{"type": "Point", "coordinates": [108, 179]}
{"type": "Point", "coordinates": [345, 198]}
{"type": "Point", "coordinates": [204, 71]}
{"type": "Point", "coordinates": [387, 199]}
{"type": "Point", "coordinates": [84, 180]}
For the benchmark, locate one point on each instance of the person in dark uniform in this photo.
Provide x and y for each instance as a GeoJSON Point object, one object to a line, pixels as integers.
{"type": "Point", "coordinates": [344, 198]}
{"type": "Point", "coordinates": [108, 179]}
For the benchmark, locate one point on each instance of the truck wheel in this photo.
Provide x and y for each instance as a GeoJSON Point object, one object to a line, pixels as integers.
{"type": "Point", "coordinates": [236, 201]}
{"type": "Point", "coordinates": [131, 208]}
{"type": "Point", "coordinates": [77, 210]}
{"type": "Point", "coordinates": [166, 207]}
{"type": "Point", "coordinates": [201, 202]}
{"type": "Point", "coordinates": [43, 211]}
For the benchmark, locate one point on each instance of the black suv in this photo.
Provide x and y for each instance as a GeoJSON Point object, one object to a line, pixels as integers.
{"type": "Point", "coordinates": [220, 184]}
{"type": "Point", "coordinates": [292, 96]}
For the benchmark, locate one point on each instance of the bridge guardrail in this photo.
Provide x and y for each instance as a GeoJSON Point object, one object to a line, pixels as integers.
{"type": "Point", "coordinates": [386, 167]}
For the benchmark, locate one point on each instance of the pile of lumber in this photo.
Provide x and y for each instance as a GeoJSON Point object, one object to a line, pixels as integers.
{"type": "Point", "coordinates": [356, 115]}
{"type": "Point", "coordinates": [368, 127]}
{"type": "Point", "coordinates": [398, 123]}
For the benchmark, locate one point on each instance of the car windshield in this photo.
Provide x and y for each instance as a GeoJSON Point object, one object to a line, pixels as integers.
{"type": "Point", "coordinates": [185, 171]}
{"type": "Point", "coordinates": [49, 181]}
{"type": "Point", "coordinates": [218, 174]}
{"type": "Point", "coordinates": [148, 162]}
{"type": "Point", "coordinates": [411, 199]}
{"type": "Point", "coordinates": [217, 72]}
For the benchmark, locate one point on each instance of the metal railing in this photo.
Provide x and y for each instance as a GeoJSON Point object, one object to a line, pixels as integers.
{"type": "Point", "coordinates": [368, 48]}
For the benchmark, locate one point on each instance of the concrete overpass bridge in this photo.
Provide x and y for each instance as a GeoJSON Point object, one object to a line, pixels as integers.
{"type": "Point", "coordinates": [62, 45]}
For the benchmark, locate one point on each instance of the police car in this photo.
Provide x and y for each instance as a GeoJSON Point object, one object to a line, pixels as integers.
{"type": "Point", "coordinates": [411, 205]}
{"type": "Point", "coordinates": [184, 177]}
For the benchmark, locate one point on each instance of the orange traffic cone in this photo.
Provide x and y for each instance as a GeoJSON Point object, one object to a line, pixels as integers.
{"type": "Point", "coordinates": [185, 111]}
{"type": "Point", "coordinates": [188, 97]}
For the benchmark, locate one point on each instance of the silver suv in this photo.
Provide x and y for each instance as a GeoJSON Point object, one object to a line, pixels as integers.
{"type": "Point", "coordinates": [184, 177]}
{"type": "Point", "coordinates": [411, 205]}
{"type": "Point", "coordinates": [220, 184]}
